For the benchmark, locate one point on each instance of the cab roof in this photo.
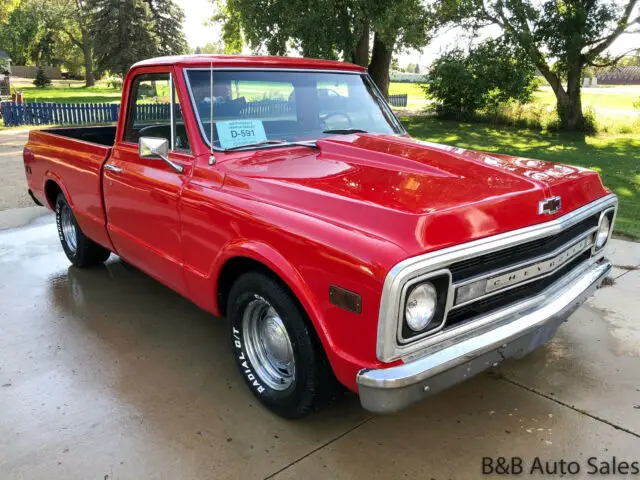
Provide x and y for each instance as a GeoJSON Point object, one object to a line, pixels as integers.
{"type": "Point", "coordinates": [247, 61]}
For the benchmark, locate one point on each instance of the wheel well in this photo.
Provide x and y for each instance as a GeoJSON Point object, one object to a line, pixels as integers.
{"type": "Point", "coordinates": [51, 192]}
{"type": "Point", "coordinates": [237, 266]}
{"type": "Point", "coordinates": [233, 269]}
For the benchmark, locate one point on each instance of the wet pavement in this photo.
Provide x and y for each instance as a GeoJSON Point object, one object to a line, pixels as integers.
{"type": "Point", "coordinates": [107, 374]}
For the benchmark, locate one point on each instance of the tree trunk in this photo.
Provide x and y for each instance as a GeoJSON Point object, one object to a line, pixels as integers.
{"type": "Point", "coordinates": [88, 60]}
{"type": "Point", "coordinates": [380, 64]}
{"type": "Point", "coordinates": [361, 56]}
{"type": "Point", "coordinates": [570, 104]}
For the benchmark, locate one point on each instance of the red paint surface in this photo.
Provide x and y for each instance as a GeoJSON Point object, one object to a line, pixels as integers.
{"type": "Point", "coordinates": [343, 214]}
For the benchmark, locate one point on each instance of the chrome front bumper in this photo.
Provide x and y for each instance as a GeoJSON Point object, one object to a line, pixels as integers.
{"type": "Point", "coordinates": [518, 329]}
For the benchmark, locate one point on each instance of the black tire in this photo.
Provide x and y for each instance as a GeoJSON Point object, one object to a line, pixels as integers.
{"type": "Point", "coordinates": [313, 384]}
{"type": "Point", "coordinates": [85, 253]}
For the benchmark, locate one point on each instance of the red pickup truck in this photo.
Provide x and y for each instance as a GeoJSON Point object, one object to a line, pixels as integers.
{"type": "Point", "coordinates": [284, 195]}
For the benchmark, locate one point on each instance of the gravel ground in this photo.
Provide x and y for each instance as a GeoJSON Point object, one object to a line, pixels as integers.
{"type": "Point", "coordinates": [13, 193]}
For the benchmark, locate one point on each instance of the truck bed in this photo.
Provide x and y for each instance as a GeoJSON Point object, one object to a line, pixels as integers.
{"type": "Point", "coordinates": [71, 159]}
{"type": "Point", "coordinates": [101, 135]}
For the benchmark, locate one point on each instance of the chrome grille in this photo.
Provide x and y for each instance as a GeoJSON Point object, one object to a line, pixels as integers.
{"type": "Point", "coordinates": [533, 267]}
{"type": "Point", "coordinates": [472, 267]}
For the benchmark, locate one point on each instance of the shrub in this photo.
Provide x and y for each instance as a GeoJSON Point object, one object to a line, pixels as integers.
{"type": "Point", "coordinates": [636, 104]}
{"type": "Point", "coordinates": [487, 77]}
{"type": "Point", "coordinates": [42, 79]}
{"type": "Point", "coordinates": [114, 82]}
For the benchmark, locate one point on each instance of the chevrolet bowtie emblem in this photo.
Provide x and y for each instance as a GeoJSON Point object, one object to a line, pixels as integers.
{"type": "Point", "coordinates": [549, 206]}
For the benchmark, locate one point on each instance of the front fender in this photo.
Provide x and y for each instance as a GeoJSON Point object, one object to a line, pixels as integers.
{"type": "Point", "coordinates": [275, 261]}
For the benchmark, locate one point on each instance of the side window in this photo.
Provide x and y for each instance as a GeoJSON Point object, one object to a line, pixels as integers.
{"type": "Point", "coordinates": [149, 113]}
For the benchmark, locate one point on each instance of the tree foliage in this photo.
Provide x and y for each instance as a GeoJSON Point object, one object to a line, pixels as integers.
{"type": "Point", "coordinates": [21, 34]}
{"type": "Point", "coordinates": [630, 61]}
{"type": "Point", "coordinates": [332, 29]}
{"type": "Point", "coordinates": [131, 30]}
{"type": "Point", "coordinates": [49, 32]}
{"type": "Point", "coordinates": [488, 75]}
{"type": "Point", "coordinates": [6, 7]}
{"type": "Point", "coordinates": [561, 37]}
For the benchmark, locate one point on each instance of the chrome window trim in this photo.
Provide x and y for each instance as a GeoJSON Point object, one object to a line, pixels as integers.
{"type": "Point", "coordinates": [387, 347]}
{"type": "Point", "coordinates": [278, 69]}
{"type": "Point", "coordinates": [520, 265]}
{"type": "Point", "coordinates": [403, 299]}
{"type": "Point", "coordinates": [383, 103]}
{"type": "Point", "coordinates": [172, 99]}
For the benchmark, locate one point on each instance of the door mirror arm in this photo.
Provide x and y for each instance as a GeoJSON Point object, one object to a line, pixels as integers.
{"type": "Point", "coordinates": [157, 148]}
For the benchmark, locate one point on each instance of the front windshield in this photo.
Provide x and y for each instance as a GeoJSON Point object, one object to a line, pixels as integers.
{"type": "Point", "coordinates": [269, 107]}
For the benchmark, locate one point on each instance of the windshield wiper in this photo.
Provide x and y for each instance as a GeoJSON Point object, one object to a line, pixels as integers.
{"type": "Point", "coordinates": [257, 144]}
{"type": "Point", "coordinates": [263, 143]}
{"type": "Point", "coordinates": [345, 131]}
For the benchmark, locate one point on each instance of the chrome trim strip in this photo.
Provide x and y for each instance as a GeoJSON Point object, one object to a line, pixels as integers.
{"type": "Point", "coordinates": [278, 69]}
{"type": "Point", "coordinates": [521, 265]}
{"type": "Point", "coordinates": [387, 348]}
{"type": "Point", "coordinates": [172, 100]}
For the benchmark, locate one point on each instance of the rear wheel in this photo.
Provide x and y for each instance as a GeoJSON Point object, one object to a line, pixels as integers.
{"type": "Point", "coordinates": [81, 251]}
{"type": "Point", "coordinates": [278, 353]}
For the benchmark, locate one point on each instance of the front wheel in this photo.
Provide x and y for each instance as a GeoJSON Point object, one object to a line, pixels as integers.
{"type": "Point", "coordinates": [81, 251]}
{"type": "Point", "coordinates": [278, 353]}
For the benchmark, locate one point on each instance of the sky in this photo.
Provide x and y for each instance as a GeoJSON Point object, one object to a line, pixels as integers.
{"type": "Point", "coordinates": [198, 34]}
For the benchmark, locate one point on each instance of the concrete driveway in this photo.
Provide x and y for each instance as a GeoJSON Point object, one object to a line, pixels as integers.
{"type": "Point", "coordinates": [13, 193]}
{"type": "Point", "coordinates": [105, 373]}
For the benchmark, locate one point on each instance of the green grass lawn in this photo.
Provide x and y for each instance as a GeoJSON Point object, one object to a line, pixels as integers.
{"type": "Point", "coordinates": [69, 91]}
{"type": "Point", "coordinates": [615, 157]}
{"type": "Point", "coordinates": [618, 98]}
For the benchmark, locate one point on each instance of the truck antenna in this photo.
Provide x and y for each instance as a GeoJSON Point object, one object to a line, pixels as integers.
{"type": "Point", "coordinates": [212, 158]}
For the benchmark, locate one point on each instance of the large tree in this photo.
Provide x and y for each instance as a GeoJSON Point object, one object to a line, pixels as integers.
{"type": "Point", "coordinates": [71, 18]}
{"type": "Point", "coordinates": [329, 28]}
{"type": "Point", "coordinates": [21, 34]}
{"type": "Point", "coordinates": [6, 7]}
{"type": "Point", "coordinates": [562, 38]}
{"type": "Point", "coordinates": [127, 31]}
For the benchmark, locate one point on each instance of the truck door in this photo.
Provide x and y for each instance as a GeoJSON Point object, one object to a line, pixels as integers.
{"type": "Point", "coordinates": [142, 195]}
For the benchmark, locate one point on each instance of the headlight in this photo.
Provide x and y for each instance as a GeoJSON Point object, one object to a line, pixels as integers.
{"type": "Point", "coordinates": [603, 231]}
{"type": "Point", "coordinates": [421, 306]}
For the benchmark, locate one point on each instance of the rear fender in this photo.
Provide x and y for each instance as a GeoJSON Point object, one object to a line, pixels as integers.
{"type": "Point", "coordinates": [49, 175]}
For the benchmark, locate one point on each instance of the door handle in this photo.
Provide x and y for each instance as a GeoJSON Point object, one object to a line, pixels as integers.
{"type": "Point", "coordinates": [112, 168]}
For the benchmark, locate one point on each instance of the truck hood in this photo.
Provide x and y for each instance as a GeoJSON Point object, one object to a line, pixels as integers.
{"type": "Point", "coordinates": [420, 196]}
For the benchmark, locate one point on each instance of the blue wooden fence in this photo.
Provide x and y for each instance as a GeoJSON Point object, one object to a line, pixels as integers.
{"type": "Point", "coordinates": [16, 114]}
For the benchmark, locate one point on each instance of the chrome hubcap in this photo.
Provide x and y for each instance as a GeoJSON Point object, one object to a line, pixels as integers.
{"type": "Point", "coordinates": [268, 344]}
{"type": "Point", "coordinates": [68, 228]}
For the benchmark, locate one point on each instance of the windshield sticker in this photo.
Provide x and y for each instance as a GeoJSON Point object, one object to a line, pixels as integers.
{"type": "Point", "coordinates": [235, 133]}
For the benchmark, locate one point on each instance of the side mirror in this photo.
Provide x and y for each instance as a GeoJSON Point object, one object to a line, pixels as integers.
{"type": "Point", "coordinates": [157, 147]}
